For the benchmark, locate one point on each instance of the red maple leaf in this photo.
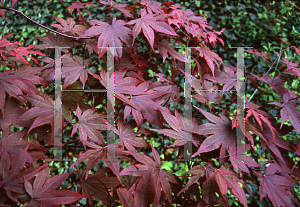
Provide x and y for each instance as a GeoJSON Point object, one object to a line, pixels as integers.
{"type": "Point", "coordinates": [210, 57]}
{"type": "Point", "coordinates": [182, 128]}
{"type": "Point", "coordinates": [164, 48]}
{"type": "Point", "coordinates": [19, 52]}
{"type": "Point", "coordinates": [148, 20]}
{"type": "Point", "coordinates": [225, 179]}
{"type": "Point", "coordinates": [93, 155]}
{"type": "Point", "coordinates": [222, 131]}
{"type": "Point", "coordinates": [209, 187]}
{"type": "Point", "coordinates": [274, 186]}
{"type": "Point", "coordinates": [258, 115]}
{"type": "Point", "coordinates": [89, 124]}
{"type": "Point", "coordinates": [110, 35]}
{"type": "Point", "coordinates": [14, 145]}
{"type": "Point", "coordinates": [78, 6]}
{"type": "Point", "coordinates": [118, 6]}
{"type": "Point", "coordinates": [13, 173]}
{"type": "Point", "coordinates": [291, 68]}
{"type": "Point", "coordinates": [53, 40]}
{"type": "Point", "coordinates": [14, 85]}
{"type": "Point", "coordinates": [43, 190]}
{"type": "Point", "coordinates": [152, 7]}
{"type": "Point", "coordinates": [144, 106]}
{"type": "Point", "coordinates": [126, 198]}
{"type": "Point", "coordinates": [128, 137]}
{"type": "Point", "coordinates": [13, 112]}
{"type": "Point", "coordinates": [117, 85]}
{"type": "Point", "coordinates": [228, 78]}
{"type": "Point", "coordinates": [30, 73]}
{"type": "Point", "coordinates": [96, 154]}
{"type": "Point", "coordinates": [289, 110]}
{"type": "Point", "coordinates": [238, 158]}
{"type": "Point", "coordinates": [145, 189]}
{"type": "Point", "coordinates": [43, 110]}
{"type": "Point", "coordinates": [209, 94]}
{"type": "Point", "coordinates": [70, 27]}
{"type": "Point", "coordinates": [74, 68]}
{"type": "Point", "coordinates": [4, 43]}
{"type": "Point", "coordinates": [96, 184]}
{"type": "Point", "coordinates": [160, 175]}
{"type": "Point", "coordinates": [261, 54]}
{"type": "Point", "coordinates": [276, 83]}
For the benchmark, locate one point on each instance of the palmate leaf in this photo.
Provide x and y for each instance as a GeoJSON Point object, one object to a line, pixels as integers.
{"type": "Point", "coordinates": [275, 187]}
{"type": "Point", "coordinates": [29, 73]}
{"type": "Point", "coordinates": [95, 184]}
{"type": "Point", "coordinates": [289, 110]}
{"type": "Point", "coordinates": [118, 85]}
{"type": "Point", "coordinates": [209, 187]}
{"type": "Point", "coordinates": [164, 48]}
{"type": "Point", "coordinates": [222, 175]}
{"type": "Point", "coordinates": [160, 175]}
{"type": "Point", "coordinates": [69, 27]}
{"type": "Point", "coordinates": [44, 191]}
{"type": "Point", "coordinates": [89, 124]}
{"type": "Point", "coordinates": [118, 6]}
{"type": "Point", "coordinates": [210, 57]}
{"type": "Point", "coordinates": [177, 123]}
{"type": "Point", "coordinates": [222, 131]}
{"type": "Point", "coordinates": [153, 6]}
{"type": "Point", "coordinates": [145, 190]}
{"type": "Point", "coordinates": [13, 173]}
{"type": "Point", "coordinates": [273, 142]}
{"type": "Point", "coordinates": [19, 52]}
{"type": "Point", "coordinates": [126, 198]}
{"type": "Point", "coordinates": [43, 110]}
{"type": "Point", "coordinates": [13, 143]}
{"type": "Point", "coordinates": [144, 106]}
{"type": "Point", "coordinates": [291, 68]}
{"type": "Point", "coordinates": [197, 172]}
{"type": "Point", "coordinates": [53, 40]}
{"type": "Point", "coordinates": [13, 112]}
{"type": "Point", "coordinates": [148, 20]}
{"type": "Point", "coordinates": [228, 78]}
{"type": "Point", "coordinates": [276, 83]}
{"type": "Point", "coordinates": [78, 6]}
{"type": "Point", "coordinates": [110, 35]}
{"type": "Point", "coordinates": [238, 158]}
{"type": "Point", "coordinates": [14, 85]}
{"type": "Point", "coordinates": [4, 43]}
{"type": "Point", "coordinates": [128, 137]}
{"type": "Point", "coordinates": [93, 155]}
{"type": "Point", "coordinates": [74, 68]}
{"type": "Point", "coordinates": [259, 116]}
{"type": "Point", "coordinates": [208, 96]}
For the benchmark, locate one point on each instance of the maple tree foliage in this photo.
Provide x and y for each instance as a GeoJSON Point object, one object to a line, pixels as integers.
{"type": "Point", "coordinates": [143, 108]}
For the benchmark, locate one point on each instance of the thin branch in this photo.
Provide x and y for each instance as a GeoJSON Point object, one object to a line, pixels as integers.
{"type": "Point", "coordinates": [72, 141]}
{"type": "Point", "coordinates": [267, 71]}
{"type": "Point", "coordinates": [266, 162]}
{"type": "Point", "coordinates": [295, 165]}
{"type": "Point", "coordinates": [74, 37]}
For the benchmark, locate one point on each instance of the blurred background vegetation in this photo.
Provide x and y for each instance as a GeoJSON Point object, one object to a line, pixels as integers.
{"type": "Point", "coordinates": [247, 23]}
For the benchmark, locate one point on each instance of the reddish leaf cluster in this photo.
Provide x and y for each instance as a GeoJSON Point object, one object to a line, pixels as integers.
{"type": "Point", "coordinates": [144, 105]}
